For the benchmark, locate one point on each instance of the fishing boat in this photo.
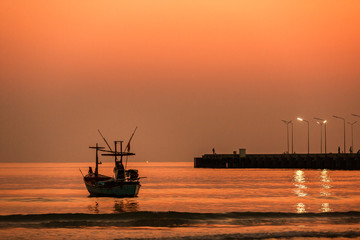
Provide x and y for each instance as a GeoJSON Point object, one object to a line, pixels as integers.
{"type": "Point", "coordinates": [125, 183]}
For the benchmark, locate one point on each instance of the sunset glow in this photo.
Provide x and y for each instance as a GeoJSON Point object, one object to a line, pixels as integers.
{"type": "Point", "coordinates": [197, 74]}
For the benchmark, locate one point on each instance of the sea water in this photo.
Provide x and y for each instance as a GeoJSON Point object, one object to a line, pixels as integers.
{"type": "Point", "coordinates": [178, 201]}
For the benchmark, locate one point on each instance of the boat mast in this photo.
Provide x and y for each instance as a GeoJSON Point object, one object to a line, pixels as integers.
{"type": "Point", "coordinates": [116, 152]}
{"type": "Point", "coordinates": [97, 159]}
{"type": "Point", "coordinates": [121, 156]}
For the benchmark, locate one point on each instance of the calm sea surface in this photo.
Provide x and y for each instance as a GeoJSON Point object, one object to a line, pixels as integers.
{"type": "Point", "coordinates": [50, 201]}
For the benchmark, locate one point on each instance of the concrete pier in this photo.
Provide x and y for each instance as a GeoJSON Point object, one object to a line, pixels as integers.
{"type": "Point", "coordinates": [341, 161]}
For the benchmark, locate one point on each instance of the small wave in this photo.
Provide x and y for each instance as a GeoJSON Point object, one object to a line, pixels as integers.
{"type": "Point", "coordinates": [259, 236]}
{"type": "Point", "coordinates": [36, 199]}
{"type": "Point", "coordinates": [174, 219]}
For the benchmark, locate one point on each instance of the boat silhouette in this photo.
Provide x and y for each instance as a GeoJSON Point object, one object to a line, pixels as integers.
{"type": "Point", "coordinates": [125, 183]}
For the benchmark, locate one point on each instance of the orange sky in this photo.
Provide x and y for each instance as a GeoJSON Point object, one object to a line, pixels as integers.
{"type": "Point", "coordinates": [191, 75]}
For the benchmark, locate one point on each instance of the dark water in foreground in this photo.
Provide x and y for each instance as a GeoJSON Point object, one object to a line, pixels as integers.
{"type": "Point", "coordinates": [177, 201]}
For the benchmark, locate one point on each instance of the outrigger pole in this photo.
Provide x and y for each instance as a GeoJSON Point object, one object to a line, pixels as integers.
{"type": "Point", "coordinates": [108, 144]}
{"type": "Point", "coordinates": [128, 146]}
{"type": "Point", "coordinates": [105, 140]}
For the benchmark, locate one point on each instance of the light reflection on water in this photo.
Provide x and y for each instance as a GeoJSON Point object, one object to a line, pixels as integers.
{"type": "Point", "coordinates": [300, 182]}
{"type": "Point", "coordinates": [324, 176]}
{"type": "Point", "coordinates": [300, 208]}
{"type": "Point", "coordinates": [325, 207]}
{"type": "Point", "coordinates": [325, 183]}
{"type": "Point", "coordinates": [299, 176]}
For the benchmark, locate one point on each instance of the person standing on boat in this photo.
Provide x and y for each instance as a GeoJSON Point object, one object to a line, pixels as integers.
{"type": "Point", "coordinates": [119, 171]}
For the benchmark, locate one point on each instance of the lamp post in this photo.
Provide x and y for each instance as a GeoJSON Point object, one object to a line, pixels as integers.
{"type": "Point", "coordinates": [321, 123]}
{"type": "Point", "coordinates": [352, 135]}
{"type": "Point", "coordinates": [325, 124]}
{"type": "Point", "coordinates": [355, 115]}
{"type": "Point", "coordinates": [300, 119]}
{"type": "Point", "coordinates": [344, 131]}
{"type": "Point", "coordinates": [287, 134]}
{"type": "Point", "coordinates": [292, 137]}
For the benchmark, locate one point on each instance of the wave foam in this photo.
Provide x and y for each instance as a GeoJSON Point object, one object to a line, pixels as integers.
{"type": "Point", "coordinates": [174, 219]}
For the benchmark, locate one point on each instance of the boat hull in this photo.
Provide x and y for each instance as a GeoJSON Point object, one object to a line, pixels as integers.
{"type": "Point", "coordinates": [117, 189]}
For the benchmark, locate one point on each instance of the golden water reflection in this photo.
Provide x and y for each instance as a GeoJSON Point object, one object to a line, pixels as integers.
{"type": "Point", "coordinates": [299, 176]}
{"type": "Point", "coordinates": [325, 193]}
{"type": "Point", "coordinates": [325, 207]}
{"type": "Point", "coordinates": [325, 183]}
{"type": "Point", "coordinates": [324, 176]}
{"type": "Point", "coordinates": [300, 208]}
{"type": "Point", "coordinates": [299, 182]}
{"type": "Point", "coordinates": [302, 185]}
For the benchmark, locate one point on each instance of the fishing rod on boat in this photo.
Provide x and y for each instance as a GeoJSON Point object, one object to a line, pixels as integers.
{"type": "Point", "coordinates": [81, 172]}
{"type": "Point", "coordinates": [128, 146]}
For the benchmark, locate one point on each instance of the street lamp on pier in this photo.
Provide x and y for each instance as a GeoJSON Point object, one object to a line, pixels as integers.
{"type": "Point", "coordinates": [322, 121]}
{"type": "Point", "coordinates": [352, 135]}
{"type": "Point", "coordinates": [344, 131]}
{"type": "Point", "coordinates": [303, 120]}
{"type": "Point", "coordinates": [292, 135]}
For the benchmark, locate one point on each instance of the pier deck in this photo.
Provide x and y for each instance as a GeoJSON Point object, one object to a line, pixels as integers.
{"type": "Point", "coordinates": [341, 161]}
